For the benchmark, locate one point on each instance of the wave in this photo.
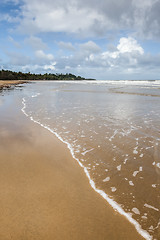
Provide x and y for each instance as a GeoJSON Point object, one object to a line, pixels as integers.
{"type": "Point", "coordinates": [112, 203]}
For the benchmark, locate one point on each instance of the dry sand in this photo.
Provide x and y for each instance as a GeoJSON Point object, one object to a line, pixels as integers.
{"type": "Point", "coordinates": [8, 83]}
{"type": "Point", "coordinates": [44, 194]}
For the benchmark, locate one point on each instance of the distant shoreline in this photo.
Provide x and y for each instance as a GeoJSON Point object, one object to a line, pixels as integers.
{"type": "Point", "coordinates": [9, 75]}
{"type": "Point", "coordinates": [7, 84]}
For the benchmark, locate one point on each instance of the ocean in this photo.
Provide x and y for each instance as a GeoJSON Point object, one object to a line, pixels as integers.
{"type": "Point", "coordinates": [112, 129]}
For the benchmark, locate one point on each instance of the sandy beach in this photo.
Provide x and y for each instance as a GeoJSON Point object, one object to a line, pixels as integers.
{"type": "Point", "coordinates": [44, 193]}
{"type": "Point", "coordinates": [79, 120]}
{"type": "Point", "coordinates": [9, 83]}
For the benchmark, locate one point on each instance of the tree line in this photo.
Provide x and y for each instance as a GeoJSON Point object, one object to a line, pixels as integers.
{"type": "Point", "coordinates": [10, 75]}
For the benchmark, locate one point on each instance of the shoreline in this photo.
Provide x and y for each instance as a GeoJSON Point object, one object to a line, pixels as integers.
{"type": "Point", "coordinates": [6, 84]}
{"type": "Point", "coordinates": [44, 193]}
{"type": "Point", "coordinates": [110, 201]}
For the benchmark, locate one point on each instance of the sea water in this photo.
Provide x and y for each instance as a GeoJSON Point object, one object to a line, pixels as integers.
{"type": "Point", "coordinates": [112, 129]}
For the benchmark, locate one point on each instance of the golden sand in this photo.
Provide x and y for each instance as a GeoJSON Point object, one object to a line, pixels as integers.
{"type": "Point", "coordinates": [44, 194]}
{"type": "Point", "coordinates": [8, 83]}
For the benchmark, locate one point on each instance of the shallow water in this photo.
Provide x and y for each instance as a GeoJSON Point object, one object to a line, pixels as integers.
{"type": "Point", "coordinates": [113, 129]}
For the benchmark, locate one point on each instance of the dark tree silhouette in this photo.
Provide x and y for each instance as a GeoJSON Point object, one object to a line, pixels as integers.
{"type": "Point", "coordinates": [9, 75]}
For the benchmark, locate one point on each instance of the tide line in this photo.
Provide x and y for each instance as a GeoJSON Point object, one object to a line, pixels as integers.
{"type": "Point", "coordinates": [112, 203]}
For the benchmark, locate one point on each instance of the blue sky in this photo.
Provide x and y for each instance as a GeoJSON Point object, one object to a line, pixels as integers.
{"type": "Point", "coordinates": [105, 39]}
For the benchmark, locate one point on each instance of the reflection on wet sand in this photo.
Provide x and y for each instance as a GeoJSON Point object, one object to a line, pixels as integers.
{"type": "Point", "coordinates": [44, 194]}
{"type": "Point", "coordinates": [114, 134]}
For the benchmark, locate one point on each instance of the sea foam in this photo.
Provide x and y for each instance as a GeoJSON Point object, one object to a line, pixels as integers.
{"type": "Point", "coordinates": [112, 203]}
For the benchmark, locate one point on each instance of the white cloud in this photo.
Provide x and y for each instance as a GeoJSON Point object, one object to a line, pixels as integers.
{"type": "Point", "coordinates": [15, 43]}
{"type": "Point", "coordinates": [41, 61]}
{"type": "Point", "coordinates": [90, 46]}
{"type": "Point", "coordinates": [55, 16]}
{"type": "Point", "coordinates": [17, 59]}
{"type": "Point", "coordinates": [89, 17]}
{"type": "Point", "coordinates": [127, 50]}
{"type": "Point", "coordinates": [127, 57]}
{"type": "Point", "coordinates": [50, 67]}
{"type": "Point", "coordinates": [39, 68]}
{"type": "Point", "coordinates": [66, 45]}
{"type": "Point", "coordinates": [8, 18]}
{"type": "Point", "coordinates": [128, 45]}
{"type": "Point", "coordinates": [86, 19]}
{"type": "Point", "coordinates": [43, 56]}
{"type": "Point", "coordinates": [35, 43]}
{"type": "Point", "coordinates": [126, 60]}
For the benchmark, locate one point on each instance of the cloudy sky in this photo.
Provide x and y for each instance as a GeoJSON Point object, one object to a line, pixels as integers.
{"type": "Point", "coordinates": [104, 39]}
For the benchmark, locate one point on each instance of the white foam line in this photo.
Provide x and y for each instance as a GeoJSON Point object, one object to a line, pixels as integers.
{"type": "Point", "coordinates": [84, 153]}
{"type": "Point", "coordinates": [114, 205]}
{"type": "Point", "coordinates": [36, 95]}
{"type": "Point", "coordinates": [149, 206]}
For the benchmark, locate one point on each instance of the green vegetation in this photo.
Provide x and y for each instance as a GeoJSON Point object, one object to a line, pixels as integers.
{"type": "Point", "coordinates": [9, 75]}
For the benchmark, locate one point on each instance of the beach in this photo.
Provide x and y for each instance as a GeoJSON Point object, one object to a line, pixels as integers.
{"type": "Point", "coordinates": [10, 83]}
{"type": "Point", "coordinates": [44, 192]}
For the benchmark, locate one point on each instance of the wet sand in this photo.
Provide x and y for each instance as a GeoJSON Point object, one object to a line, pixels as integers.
{"type": "Point", "coordinates": [9, 83]}
{"type": "Point", "coordinates": [44, 194]}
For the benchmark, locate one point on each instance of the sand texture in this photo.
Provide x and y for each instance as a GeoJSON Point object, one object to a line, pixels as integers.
{"type": "Point", "coordinates": [9, 83]}
{"type": "Point", "coordinates": [44, 193]}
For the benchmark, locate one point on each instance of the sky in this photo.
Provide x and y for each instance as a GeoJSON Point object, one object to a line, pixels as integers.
{"type": "Point", "coordinates": [104, 39]}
